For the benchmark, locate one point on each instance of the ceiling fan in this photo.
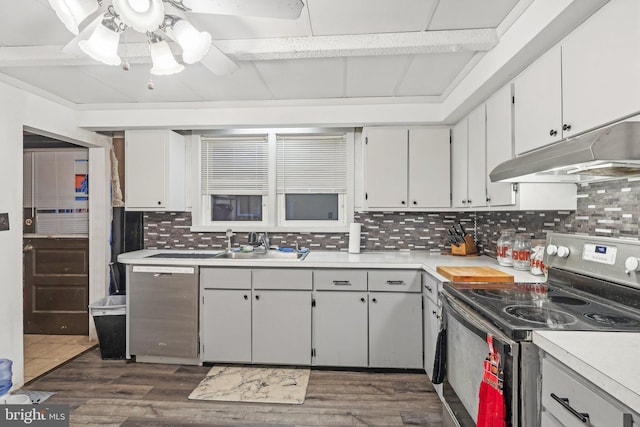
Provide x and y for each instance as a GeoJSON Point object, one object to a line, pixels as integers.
{"type": "Point", "coordinates": [98, 24]}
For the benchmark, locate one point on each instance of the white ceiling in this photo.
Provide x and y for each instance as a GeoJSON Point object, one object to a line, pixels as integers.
{"type": "Point", "coordinates": [335, 49]}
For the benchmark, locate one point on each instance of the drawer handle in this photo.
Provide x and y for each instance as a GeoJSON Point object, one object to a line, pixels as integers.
{"type": "Point", "coordinates": [395, 282]}
{"type": "Point", "coordinates": [162, 274]}
{"type": "Point", "coordinates": [429, 288]}
{"type": "Point", "coordinates": [342, 283]}
{"type": "Point", "coordinates": [564, 402]}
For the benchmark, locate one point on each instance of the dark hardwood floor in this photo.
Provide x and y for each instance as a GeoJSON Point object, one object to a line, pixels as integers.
{"type": "Point", "coordinates": [117, 393]}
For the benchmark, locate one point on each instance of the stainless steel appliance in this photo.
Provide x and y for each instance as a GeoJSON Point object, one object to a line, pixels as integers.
{"type": "Point", "coordinates": [593, 285]}
{"type": "Point", "coordinates": [162, 314]}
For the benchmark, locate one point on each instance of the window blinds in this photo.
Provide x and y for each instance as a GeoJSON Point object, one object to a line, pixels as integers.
{"type": "Point", "coordinates": [312, 163]}
{"type": "Point", "coordinates": [234, 165]}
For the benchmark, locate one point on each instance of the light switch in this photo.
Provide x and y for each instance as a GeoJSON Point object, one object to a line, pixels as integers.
{"type": "Point", "coordinates": [4, 221]}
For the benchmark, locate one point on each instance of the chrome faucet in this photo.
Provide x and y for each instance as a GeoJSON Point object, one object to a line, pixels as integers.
{"type": "Point", "coordinates": [263, 239]}
{"type": "Point", "coordinates": [229, 235]}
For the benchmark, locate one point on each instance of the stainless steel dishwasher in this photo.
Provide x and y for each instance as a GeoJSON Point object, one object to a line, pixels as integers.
{"type": "Point", "coordinates": [162, 314]}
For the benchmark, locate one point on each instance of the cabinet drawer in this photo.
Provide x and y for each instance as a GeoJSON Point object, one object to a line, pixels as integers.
{"type": "Point", "coordinates": [340, 280]}
{"type": "Point", "coordinates": [558, 380]}
{"type": "Point", "coordinates": [395, 280]}
{"type": "Point", "coordinates": [431, 287]}
{"type": "Point", "coordinates": [278, 278]}
{"type": "Point", "coordinates": [225, 278]}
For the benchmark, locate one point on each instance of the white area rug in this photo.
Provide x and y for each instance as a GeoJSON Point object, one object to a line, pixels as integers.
{"type": "Point", "coordinates": [253, 384]}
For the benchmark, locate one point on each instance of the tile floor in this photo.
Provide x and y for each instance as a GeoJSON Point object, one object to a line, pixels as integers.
{"type": "Point", "coordinates": [43, 353]}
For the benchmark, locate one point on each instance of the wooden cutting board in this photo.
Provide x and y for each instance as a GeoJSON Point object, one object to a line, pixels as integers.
{"type": "Point", "coordinates": [474, 274]}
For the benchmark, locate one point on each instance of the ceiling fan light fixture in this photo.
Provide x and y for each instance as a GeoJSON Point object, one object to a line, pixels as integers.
{"type": "Point", "coordinates": [195, 44]}
{"type": "Point", "coordinates": [73, 12]}
{"type": "Point", "coordinates": [102, 45]}
{"type": "Point", "coordinates": [141, 15]}
{"type": "Point", "coordinates": [164, 64]}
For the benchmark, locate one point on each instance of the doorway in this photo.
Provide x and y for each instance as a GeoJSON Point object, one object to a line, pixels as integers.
{"type": "Point", "coordinates": [55, 253]}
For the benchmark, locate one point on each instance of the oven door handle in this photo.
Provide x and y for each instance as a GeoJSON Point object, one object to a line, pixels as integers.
{"type": "Point", "coordinates": [476, 324]}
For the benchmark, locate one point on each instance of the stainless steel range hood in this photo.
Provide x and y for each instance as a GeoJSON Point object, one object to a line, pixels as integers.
{"type": "Point", "coordinates": [604, 154]}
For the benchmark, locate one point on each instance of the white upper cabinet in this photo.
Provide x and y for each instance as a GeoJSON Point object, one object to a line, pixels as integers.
{"type": "Point", "coordinates": [538, 103]}
{"type": "Point", "coordinates": [499, 144]}
{"type": "Point", "coordinates": [459, 165]}
{"type": "Point", "coordinates": [601, 67]}
{"type": "Point", "coordinates": [154, 170]}
{"type": "Point", "coordinates": [406, 168]}
{"type": "Point", "coordinates": [468, 160]}
{"type": "Point", "coordinates": [588, 80]}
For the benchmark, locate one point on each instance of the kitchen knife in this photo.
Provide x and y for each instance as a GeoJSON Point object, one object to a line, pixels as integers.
{"type": "Point", "coordinates": [462, 232]}
{"type": "Point", "coordinates": [453, 239]}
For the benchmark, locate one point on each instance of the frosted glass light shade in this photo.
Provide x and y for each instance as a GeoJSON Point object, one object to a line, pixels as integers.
{"type": "Point", "coordinates": [73, 12]}
{"type": "Point", "coordinates": [141, 15]}
{"type": "Point", "coordinates": [102, 45]}
{"type": "Point", "coordinates": [164, 63]}
{"type": "Point", "coordinates": [195, 44]}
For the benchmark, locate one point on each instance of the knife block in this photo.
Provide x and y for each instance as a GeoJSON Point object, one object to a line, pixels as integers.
{"type": "Point", "coordinates": [466, 248]}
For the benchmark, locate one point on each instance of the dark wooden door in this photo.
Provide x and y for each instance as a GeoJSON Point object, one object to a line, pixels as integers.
{"type": "Point", "coordinates": [56, 286]}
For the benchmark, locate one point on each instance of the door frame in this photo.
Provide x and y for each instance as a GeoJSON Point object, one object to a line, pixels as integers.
{"type": "Point", "coordinates": [100, 213]}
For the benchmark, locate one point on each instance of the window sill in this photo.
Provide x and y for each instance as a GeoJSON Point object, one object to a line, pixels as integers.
{"type": "Point", "coordinates": [256, 227]}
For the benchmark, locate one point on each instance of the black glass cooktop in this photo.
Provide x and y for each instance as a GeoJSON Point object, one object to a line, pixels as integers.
{"type": "Point", "coordinates": [519, 308]}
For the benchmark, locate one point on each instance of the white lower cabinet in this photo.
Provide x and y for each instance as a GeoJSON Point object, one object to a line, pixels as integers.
{"type": "Point", "coordinates": [226, 330]}
{"type": "Point", "coordinates": [570, 400]}
{"type": "Point", "coordinates": [395, 330]}
{"type": "Point", "coordinates": [281, 327]}
{"type": "Point", "coordinates": [340, 328]}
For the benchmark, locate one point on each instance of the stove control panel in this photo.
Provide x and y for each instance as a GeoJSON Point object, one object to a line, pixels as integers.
{"type": "Point", "coordinates": [612, 259]}
{"type": "Point", "coordinates": [604, 254]}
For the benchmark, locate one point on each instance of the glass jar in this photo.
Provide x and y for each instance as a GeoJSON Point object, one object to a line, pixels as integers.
{"type": "Point", "coordinates": [521, 251]}
{"type": "Point", "coordinates": [536, 264]}
{"type": "Point", "coordinates": [505, 244]}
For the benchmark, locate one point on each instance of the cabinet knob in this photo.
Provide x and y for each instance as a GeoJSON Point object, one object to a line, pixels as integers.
{"type": "Point", "coordinates": [363, 300]}
{"type": "Point", "coordinates": [159, 202]}
{"type": "Point", "coordinates": [469, 201]}
{"type": "Point", "coordinates": [464, 202]}
{"type": "Point", "coordinates": [433, 312]}
{"type": "Point", "coordinates": [257, 297]}
{"type": "Point", "coordinates": [374, 300]}
{"type": "Point", "coordinates": [403, 202]}
{"type": "Point", "coordinates": [566, 127]}
{"type": "Point", "coordinates": [246, 297]}
{"type": "Point", "coordinates": [415, 202]}
{"type": "Point", "coordinates": [553, 132]}
{"type": "Point", "coordinates": [488, 199]}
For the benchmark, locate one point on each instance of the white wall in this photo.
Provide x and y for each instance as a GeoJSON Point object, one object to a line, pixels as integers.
{"type": "Point", "coordinates": [20, 109]}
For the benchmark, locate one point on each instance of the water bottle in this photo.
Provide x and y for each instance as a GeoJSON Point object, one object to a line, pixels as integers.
{"type": "Point", "coordinates": [5, 377]}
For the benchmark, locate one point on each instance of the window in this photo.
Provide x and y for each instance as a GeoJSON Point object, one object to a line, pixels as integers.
{"type": "Point", "coordinates": [280, 180]}
{"type": "Point", "coordinates": [234, 179]}
{"type": "Point", "coordinates": [312, 178]}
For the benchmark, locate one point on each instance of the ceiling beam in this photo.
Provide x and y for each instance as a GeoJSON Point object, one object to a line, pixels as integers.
{"type": "Point", "coordinates": [421, 42]}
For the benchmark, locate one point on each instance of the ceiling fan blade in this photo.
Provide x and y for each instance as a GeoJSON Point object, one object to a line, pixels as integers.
{"type": "Point", "coordinates": [218, 63]}
{"type": "Point", "coordinates": [284, 9]}
{"type": "Point", "coordinates": [73, 47]}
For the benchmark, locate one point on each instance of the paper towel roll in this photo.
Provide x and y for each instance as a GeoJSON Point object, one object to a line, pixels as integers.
{"type": "Point", "coordinates": [354, 238]}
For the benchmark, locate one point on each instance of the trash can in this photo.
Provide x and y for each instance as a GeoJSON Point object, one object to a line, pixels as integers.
{"type": "Point", "coordinates": [109, 316]}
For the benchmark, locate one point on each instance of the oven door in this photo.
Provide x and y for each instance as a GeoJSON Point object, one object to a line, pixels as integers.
{"type": "Point", "coordinates": [467, 349]}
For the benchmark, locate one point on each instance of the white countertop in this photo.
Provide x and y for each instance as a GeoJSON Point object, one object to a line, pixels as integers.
{"type": "Point", "coordinates": [421, 260]}
{"type": "Point", "coordinates": [610, 360]}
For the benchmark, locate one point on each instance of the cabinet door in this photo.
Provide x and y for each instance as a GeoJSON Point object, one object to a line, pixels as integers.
{"type": "Point", "coordinates": [538, 103]}
{"type": "Point", "coordinates": [145, 170]}
{"type": "Point", "coordinates": [431, 328]}
{"type": "Point", "coordinates": [601, 67]}
{"type": "Point", "coordinates": [395, 330]}
{"type": "Point", "coordinates": [459, 165]}
{"type": "Point", "coordinates": [499, 145]}
{"type": "Point", "coordinates": [385, 169]}
{"type": "Point", "coordinates": [429, 168]}
{"type": "Point", "coordinates": [226, 325]}
{"type": "Point", "coordinates": [340, 328]}
{"type": "Point", "coordinates": [281, 322]}
{"type": "Point", "coordinates": [477, 160]}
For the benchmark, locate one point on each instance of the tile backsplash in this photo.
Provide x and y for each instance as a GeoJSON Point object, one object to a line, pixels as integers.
{"type": "Point", "coordinates": [603, 209]}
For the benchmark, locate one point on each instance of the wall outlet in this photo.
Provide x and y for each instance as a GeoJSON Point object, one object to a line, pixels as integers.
{"type": "Point", "coordinates": [4, 221]}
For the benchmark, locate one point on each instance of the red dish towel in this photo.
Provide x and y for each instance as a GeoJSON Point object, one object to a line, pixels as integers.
{"type": "Point", "coordinates": [492, 410]}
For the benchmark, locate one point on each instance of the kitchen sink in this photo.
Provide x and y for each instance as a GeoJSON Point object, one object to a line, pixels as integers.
{"type": "Point", "coordinates": [260, 256]}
